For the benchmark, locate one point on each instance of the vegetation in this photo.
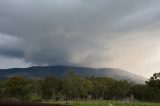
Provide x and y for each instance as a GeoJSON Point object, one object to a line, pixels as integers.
{"type": "Point", "coordinates": [74, 87]}
{"type": "Point", "coordinates": [115, 103]}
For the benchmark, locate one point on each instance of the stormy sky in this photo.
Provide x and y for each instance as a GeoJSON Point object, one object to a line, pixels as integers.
{"type": "Point", "coordinates": [92, 33]}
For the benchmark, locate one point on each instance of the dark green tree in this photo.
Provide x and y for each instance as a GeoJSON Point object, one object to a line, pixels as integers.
{"type": "Point", "coordinates": [119, 89]}
{"type": "Point", "coordinates": [154, 81]}
{"type": "Point", "coordinates": [2, 89]}
{"type": "Point", "coordinates": [140, 92]}
{"type": "Point", "coordinates": [17, 87]}
{"type": "Point", "coordinates": [35, 89]}
{"type": "Point", "coordinates": [154, 87]}
{"type": "Point", "coordinates": [51, 86]}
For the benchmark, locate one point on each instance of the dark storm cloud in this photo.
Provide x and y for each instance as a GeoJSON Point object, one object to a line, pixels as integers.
{"type": "Point", "coordinates": [71, 32]}
{"type": "Point", "coordinates": [10, 46]}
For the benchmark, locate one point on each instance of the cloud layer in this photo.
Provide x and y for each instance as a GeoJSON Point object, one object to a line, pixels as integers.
{"type": "Point", "coordinates": [106, 33]}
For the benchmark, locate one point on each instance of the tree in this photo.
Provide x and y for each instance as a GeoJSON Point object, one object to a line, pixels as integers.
{"type": "Point", "coordinates": [71, 85]}
{"type": "Point", "coordinates": [154, 81]}
{"type": "Point", "coordinates": [17, 87]}
{"type": "Point", "coordinates": [101, 87]}
{"type": "Point", "coordinates": [119, 89]}
{"type": "Point", "coordinates": [154, 85]}
{"type": "Point", "coordinates": [51, 86]}
{"type": "Point", "coordinates": [35, 89]}
{"type": "Point", "coordinates": [140, 92]}
{"type": "Point", "coordinates": [86, 87]}
{"type": "Point", "coordinates": [2, 88]}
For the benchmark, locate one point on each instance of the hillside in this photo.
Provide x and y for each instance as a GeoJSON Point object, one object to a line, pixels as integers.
{"type": "Point", "coordinates": [43, 71]}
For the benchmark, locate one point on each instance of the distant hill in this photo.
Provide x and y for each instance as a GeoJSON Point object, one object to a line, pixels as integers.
{"type": "Point", "coordinates": [61, 71]}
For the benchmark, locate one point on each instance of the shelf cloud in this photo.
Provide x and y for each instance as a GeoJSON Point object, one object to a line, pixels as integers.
{"type": "Point", "coordinates": [95, 33]}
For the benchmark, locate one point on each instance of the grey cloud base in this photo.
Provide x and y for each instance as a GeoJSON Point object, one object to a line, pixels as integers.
{"type": "Point", "coordinates": [74, 32]}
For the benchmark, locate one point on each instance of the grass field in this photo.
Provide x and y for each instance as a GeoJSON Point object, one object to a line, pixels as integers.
{"type": "Point", "coordinates": [27, 104]}
{"type": "Point", "coordinates": [106, 103]}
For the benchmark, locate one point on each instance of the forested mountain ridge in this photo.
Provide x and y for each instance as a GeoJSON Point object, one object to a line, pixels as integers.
{"type": "Point", "coordinates": [61, 71]}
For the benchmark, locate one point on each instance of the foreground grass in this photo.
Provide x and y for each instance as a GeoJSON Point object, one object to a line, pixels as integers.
{"type": "Point", "coordinates": [105, 103]}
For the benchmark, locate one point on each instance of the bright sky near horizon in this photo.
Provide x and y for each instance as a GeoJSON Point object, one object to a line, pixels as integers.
{"type": "Point", "coordinates": [94, 33]}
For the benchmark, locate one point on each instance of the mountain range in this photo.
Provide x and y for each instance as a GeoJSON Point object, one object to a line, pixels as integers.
{"type": "Point", "coordinates": [61, 71]}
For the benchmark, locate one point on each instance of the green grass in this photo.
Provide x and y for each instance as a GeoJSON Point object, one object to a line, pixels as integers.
{"type": "Point", "coordinates": [105, 103]}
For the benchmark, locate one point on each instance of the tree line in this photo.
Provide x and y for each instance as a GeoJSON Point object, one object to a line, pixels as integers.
{"type": "Point", "coordinates": [74, 87]}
